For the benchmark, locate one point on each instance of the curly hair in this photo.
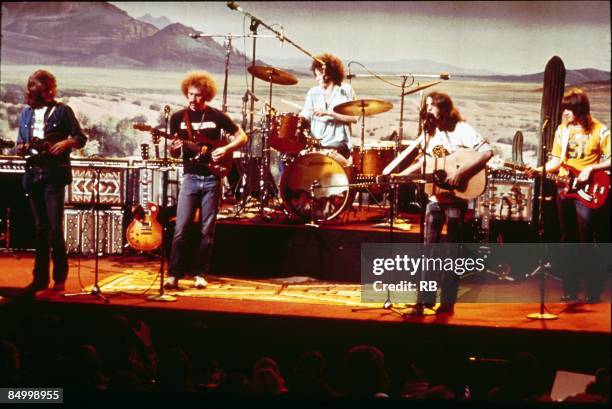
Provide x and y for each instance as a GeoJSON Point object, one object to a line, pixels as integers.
{"type": "Point", "coordinates": [334, 69]}
{"type": "Point", "coordinates": [203, 81]}
{"type": "Point", "coordinates": [449, 115]}
{"type": "Point", "coordinates": [577, 101]}
{"type": "Point", "coordinates": [41, 88]}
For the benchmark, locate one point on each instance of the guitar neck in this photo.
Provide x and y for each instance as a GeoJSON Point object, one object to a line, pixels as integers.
{"type": "Point", "coordinates": [550, 176]}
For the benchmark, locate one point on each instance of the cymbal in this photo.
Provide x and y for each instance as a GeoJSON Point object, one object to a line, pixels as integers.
{"type": "Point", "coordinates": [273, 75]}
{"type": "Point", "coordinates": [364, 107]}
{"type": "Point", "coordinates": [422, 87]}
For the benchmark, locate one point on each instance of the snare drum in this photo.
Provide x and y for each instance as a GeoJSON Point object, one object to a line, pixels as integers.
{"type": "Point", "coordinates": [288, 132]}
{"type": "Point", "coordinates": [316, 185]}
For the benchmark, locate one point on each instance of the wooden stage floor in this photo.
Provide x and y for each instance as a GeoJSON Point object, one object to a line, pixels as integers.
{"type": "Point", "coordinates": [578, 318]}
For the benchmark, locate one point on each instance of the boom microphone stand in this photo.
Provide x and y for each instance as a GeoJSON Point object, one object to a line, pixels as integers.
{"type": "Point", "coordinates": [95, 205]}
{"type": "Point", "coordinates": [164, 169]}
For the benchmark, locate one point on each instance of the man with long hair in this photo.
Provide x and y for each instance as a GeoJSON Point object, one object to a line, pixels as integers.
{"type": "Point", "coordinates": [445, 132]}
{"type": "Point", "coordinates": [581, 143]}
{"type": "Point", "coordinates": [332, 129]}
{"type": "Point", "coordinates": [193, 126]}
{"type": "Point", "coordinates": [48, 131]}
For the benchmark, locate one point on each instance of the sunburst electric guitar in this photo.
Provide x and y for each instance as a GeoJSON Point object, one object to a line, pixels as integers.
{"type": "Point", "coordinates": [144, 233]}
{"type": "Point", "coordinates": [202, 147]}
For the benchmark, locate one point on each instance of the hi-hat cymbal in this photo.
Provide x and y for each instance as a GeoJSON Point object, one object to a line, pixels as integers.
{"type": "Point", "coordinates": [365, 107]}
{"type": "Point", "coordinates": [273, 75]}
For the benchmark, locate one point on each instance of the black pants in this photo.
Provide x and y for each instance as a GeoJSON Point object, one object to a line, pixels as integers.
{"type": "Point", "coordinates": [47, 203]}
{"type": "Point", "coordinates": [579, 224]}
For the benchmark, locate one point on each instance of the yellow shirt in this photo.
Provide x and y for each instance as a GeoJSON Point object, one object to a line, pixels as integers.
{"type": "Point", "coordinates": [581, 149]}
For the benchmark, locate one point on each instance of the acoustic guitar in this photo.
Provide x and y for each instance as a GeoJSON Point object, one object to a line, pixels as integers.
{"type": "Point", "coordinates": [436, 175]}
{"type": "Point", "coordinates": [202, 147]}
{"type": "Point", "coordinates": [593, 193]}
{"type": "Point", "coordinates": [144, 233]}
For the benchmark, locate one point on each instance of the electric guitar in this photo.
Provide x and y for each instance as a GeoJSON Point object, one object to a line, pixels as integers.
{"type": "Point", "coordinates": [436, 175]}
{"type": "Point", "coordinates": [202, 147]}
{"type": "Point", "coordinates": [144, 233]}
{"type": "Point", "coordinates": [593, 193]}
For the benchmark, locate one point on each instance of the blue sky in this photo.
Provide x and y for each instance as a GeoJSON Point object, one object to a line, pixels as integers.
{"type": "Point", "coordinates": [505, 37]}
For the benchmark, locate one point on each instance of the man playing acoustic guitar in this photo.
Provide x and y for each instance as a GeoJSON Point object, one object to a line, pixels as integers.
{"type": "Point", "coordinates": [581, 145]}
{"type": "Point", "coordinates": [446, 133]}
{"type": "Point", "coordinates": [205, 160]}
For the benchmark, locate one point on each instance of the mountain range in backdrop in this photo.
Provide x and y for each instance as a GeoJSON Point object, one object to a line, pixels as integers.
{"type": "Point", "coordinates": [99, 34]}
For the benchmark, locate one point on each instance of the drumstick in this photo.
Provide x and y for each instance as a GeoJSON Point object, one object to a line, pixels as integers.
{"type": "Point", "coordinates": [293, 104]}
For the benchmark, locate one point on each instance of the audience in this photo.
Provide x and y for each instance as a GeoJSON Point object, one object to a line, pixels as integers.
{"type": "Point", "coordinates": [124, 361]}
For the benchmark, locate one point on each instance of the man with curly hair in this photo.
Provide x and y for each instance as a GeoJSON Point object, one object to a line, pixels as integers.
{"type": "Point", "coordinates": [332, 129]}
{"type": "Point", "coordinates": [201, 188]}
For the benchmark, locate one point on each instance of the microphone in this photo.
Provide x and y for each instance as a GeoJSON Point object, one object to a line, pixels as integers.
{"type": "Point", "coordinates": [167, 111]}
{"type": "Point", "coordinates": [198, 35]}
{"type": "Point", "coordinates": [281, 37]}
{"type": "Point", "coordinates": [350, 76]}
{"type": "Point", "coordinates": [234, 6]}
{"type": "Point", "coordinates": [445, 76]}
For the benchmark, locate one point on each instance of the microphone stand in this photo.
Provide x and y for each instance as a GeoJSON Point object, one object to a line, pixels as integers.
{"type": "Point", "coordinates": [164, 169]}
{"type": "Point", "coordinates": [95, 204]}
{"type": "Point", "coordinates": [543, 266]}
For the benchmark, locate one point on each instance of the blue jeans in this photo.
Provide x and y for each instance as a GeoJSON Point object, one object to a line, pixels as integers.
{"type": "Point", "coordinates": [435, 216]}
{"type": "Point", "coordinates": [201, 192]}
{"type": "Point", "coordinates": [47, 203]}
{"type": "Point", "coordinates": [578, 226]}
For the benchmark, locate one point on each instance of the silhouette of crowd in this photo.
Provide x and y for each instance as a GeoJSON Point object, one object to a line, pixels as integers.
{"type": "Point", "coordinates": [118, 356]}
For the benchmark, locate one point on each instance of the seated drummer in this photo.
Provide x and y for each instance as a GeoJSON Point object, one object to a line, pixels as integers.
{"type": "Point", "coordinates": [330, 128]}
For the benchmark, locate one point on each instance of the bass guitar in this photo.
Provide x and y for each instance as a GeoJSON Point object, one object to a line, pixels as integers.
{"type": "Point", "coordinates": [144, 233]}
{"type": "Point", "coordinates": [436, 175]}
{"type": "Point", "coordinates": [202, 147]}
{"type": "Point", "coordinates": [593, 193]}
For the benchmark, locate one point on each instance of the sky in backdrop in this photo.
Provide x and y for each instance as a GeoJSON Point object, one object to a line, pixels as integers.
{"type": "Point", "coordinates": [502, 37]}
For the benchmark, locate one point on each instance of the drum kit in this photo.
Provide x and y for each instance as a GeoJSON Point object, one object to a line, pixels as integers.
{"type": "Point", "coordinates": [316, 183]}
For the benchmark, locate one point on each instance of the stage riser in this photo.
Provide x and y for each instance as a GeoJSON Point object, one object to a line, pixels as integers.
{"type": "Point", "coordinates": [285, 251]}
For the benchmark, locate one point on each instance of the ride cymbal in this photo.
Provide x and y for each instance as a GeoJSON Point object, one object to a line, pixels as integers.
{"type": "Point", "coordinates": [273, 75]}
{"type": "Point", "coordinates": [365, 107]}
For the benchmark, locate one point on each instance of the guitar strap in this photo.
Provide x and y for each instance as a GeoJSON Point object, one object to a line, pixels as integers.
{"type": "Point", "coordinates": [188, 125]}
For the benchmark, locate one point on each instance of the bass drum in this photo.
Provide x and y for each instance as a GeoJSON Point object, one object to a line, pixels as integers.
{"type": "Point", "coordinates": [328, 175]}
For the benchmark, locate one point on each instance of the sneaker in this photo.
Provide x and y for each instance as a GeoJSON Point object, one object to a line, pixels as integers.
{"type": "Point", "coordinates": [200, 282]}
{"type": "Point", "coordinates": [59, 286]}
{"type": "Point", "coordinates": [171, 283]}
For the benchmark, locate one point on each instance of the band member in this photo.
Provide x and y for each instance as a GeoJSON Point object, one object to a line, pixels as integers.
{"type": "Point", "coordinates": [332, 129]}
{"type": "Point", "coordinates": [445, 132]}
{"type": "Point", "coordinates": [201, 188]}
{"type": "Point", "coordinates": [581, 143]}
{"type": "Point", "coordinates": [48, 131]}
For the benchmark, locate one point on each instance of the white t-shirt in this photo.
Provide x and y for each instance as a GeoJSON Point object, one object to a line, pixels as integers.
{"type": "Point", "coordinates": [463, 137]}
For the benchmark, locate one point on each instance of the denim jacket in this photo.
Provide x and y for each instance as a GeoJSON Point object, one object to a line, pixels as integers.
{"type": "Point", "coordinates": [64, 124]}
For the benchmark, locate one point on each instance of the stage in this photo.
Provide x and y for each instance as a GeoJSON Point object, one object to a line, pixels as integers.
{"type": "Point", "coordinates": [298, 313]}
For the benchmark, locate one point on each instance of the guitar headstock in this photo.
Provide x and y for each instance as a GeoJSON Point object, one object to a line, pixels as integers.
{"type": "Point", "coordinates": [155, 137]}
{"type": "Point", "coordinates": [141, 126]}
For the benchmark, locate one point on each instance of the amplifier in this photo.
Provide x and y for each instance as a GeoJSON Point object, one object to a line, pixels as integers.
{"type": "Point", "coordinates": [111, 186]}
{"type": "Point", "coordinates": [507, 199]}
{"type": "Point", "coordinates": [79, 231]}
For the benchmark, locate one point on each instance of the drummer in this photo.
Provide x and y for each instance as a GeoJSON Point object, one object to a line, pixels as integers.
{"type": "Point", "coordinates": [333, 130]}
